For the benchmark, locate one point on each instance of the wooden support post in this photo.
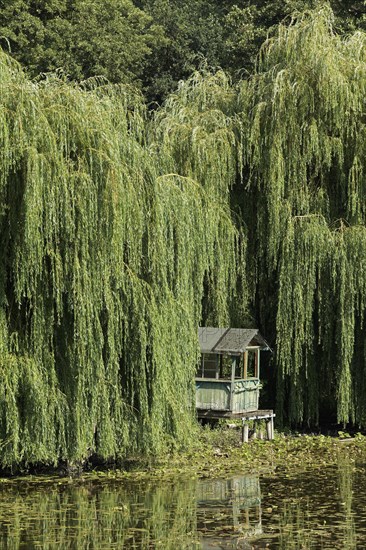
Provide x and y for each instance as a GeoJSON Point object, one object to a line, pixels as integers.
{"type": "Point", "coordinates": [270, 428]}
{"type": "Point", "coordinates": [245, 436]}
{"type": "Point", "coordinates": [254, 434]}
{"type": "Point", "coordinates": [232, 385]}
{"type": "Point", "coordinates": [245, 371]}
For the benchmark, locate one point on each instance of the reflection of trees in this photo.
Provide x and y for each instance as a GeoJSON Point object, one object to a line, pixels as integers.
{"type": "Point", "coordinates": [114, 514]}
{"type": "Point", "coordinates": [295, 528]}
{"type": "Point", "coordinates": [99, 516]}
{"type": "Point", "coordinates": [315, 509]}
{"type": "Point", "coordinates": [345, 473]}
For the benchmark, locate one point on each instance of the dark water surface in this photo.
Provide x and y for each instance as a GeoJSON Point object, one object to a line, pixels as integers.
{"type": "Point", "coordinates": [322, 508]}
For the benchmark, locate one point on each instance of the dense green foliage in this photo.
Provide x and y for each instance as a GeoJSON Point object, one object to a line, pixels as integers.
{"type": "Point", "coordinates": [304, 151]}
{"type": "Point", "coordinates": [83, 38]}
{"type": "Point", "coordinates": [105, 255]}
{"type": "Point", "coordinates": [154, 43]}
{"type": "Point", "coordinates": [298, 193]}
{"type": "Point", "coordinates": [121, 230]}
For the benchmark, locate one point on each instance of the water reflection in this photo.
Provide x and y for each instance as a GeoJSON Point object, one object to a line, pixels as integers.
{"type": "Point", "coordinates": [346, 479]}
{"type": "Point", "coordinates": [187, 514]}
{"type": "Point", "coordinates": [99, 516]}
{"type": "Point", "coordinates": [322, 508]}
{"type": "Point", "coordinates": [229, 509]}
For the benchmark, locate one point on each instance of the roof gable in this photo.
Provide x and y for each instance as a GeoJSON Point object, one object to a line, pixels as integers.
{"type": "Point", "coordinates": [229, 340]}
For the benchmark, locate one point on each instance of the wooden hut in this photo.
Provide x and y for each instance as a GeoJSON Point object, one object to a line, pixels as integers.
{"type": "Point", "coordinates": [228, 376]}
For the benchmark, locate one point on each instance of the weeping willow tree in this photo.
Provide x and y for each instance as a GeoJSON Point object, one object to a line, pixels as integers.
{"type": "Point", "coordinates": [304, 160]}
{"type": "Point", "coordinates": [107, 247]}
{"type": "Point", "coordinates": [121, 232]}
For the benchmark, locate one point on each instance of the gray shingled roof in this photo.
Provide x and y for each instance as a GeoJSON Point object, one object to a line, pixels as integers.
{"type": "Point", "coordinates": [229, 340]}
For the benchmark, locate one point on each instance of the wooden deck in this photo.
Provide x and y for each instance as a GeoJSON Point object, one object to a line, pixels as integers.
{"type": "Point", "coordinates": [251, 415]}
{"type": "Point", "coordinates": [266, 415]}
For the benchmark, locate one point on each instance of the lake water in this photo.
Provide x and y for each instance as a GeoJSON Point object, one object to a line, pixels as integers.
{"type": "Point", "coordinates": [323, 508]}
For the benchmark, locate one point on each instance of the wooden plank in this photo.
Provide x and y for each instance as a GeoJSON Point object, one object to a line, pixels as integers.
{"type": "Point", "coordinates": [252, 415]}
{"type": "Point", "coordinates": [259, 417]}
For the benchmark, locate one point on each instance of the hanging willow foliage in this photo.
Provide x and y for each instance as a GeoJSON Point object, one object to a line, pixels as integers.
{"type": "Point", "coordinates": [304, 155]}
{"type": "Point", "coordinates": [195, 132]}
{"type": "Point", "coordinates": [121, 232]}
{"type": "Point", "coordinates": [104, 256]}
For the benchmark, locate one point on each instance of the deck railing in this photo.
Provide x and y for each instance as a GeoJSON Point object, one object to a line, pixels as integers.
{"type": "Point", "coordinates": [239, 395]}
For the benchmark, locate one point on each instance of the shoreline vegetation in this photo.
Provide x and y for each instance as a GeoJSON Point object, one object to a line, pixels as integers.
{"type": "Point", "coordinates": [216, 453]}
